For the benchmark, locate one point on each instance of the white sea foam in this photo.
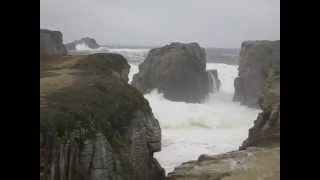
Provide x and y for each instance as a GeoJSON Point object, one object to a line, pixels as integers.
{"type": "Point", "coordinates": [188, 130]}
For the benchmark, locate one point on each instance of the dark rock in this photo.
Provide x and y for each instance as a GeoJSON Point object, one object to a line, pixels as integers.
{"type": "Point", "coordinates": [177, 70]}
{"type": "Point", "coordinates": [266, 129]}
{"type": "Point", "coordinates": [94, 125]}
{"type": "Point", "coordinates": [256, 57]}
{"type": "Point", "coordinates": [91, 43]}
{"type": "Point", "coordinates": [249, 164]}
{"type": "Point", "coordinates": [51, 43]}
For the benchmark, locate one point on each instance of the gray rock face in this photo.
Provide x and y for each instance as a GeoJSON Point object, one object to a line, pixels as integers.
{"type": "Point", "coordinates": [177, 70]}
{"type": "Point", "coordinates": [256, 57]}
{"type": "Point", "coordinates": [259, 155]}
{"type": "Point", "coordinates": [91, 43]}
{"type": "Point", "coordinates": [96, 126]}
{"type": "Point", "coordinates": [266, 129]}
{"type": "Point", "coordinates": [51, 43]}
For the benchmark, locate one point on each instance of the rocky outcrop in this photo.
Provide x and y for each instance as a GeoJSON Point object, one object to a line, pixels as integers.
{"type": "Point", "coordinates": [51, 43]}
{"type": "Point", "coordinates": [266, 129]}
{"type": "Point", "coordinates": [93, 124]}
{"type": "Point", "coordinates": [259, 155]}
{"type": "Point", "coordinates": [177, 70]}
{"type": "Point", "coordinates": [249, 164]}
{"type": "Point", "coordinates": [89, 42]}
{"type": "Point", "coordinates": [256, 57]}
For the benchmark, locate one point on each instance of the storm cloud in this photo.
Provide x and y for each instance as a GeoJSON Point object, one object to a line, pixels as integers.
{"type": "Point", "coordinates": [214, 23]}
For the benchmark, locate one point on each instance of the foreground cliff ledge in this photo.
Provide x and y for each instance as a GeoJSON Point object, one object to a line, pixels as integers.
{"type": "Point", "coordinates": [250, 164]}
{"type": "Point", "coordinates": [178, 70]}
{"type": "Point", "coordinates": [256, 57]}
{"type": "Point", "coordinates": [93, 124]}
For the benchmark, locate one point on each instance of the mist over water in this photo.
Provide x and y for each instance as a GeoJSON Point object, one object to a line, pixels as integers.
{"type": "Point", "coordinates": [215, 126]}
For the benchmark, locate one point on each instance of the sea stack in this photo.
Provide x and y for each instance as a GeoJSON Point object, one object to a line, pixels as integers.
{"type": "Point", "coordinates": [51, 44]}
{"type": "Point", "coordinates": [177, 70]}
{"type": "Point", "coordinates": [256, 57]}
{"type": "Point", "coordinates": [259, 155]}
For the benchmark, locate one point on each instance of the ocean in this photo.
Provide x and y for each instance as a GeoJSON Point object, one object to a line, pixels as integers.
{"type": "Point", "coordinates": [216, 125]}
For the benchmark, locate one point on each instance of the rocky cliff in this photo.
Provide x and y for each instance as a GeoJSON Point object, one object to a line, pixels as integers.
{"type": "Point", "coordinates": [259, 155]}
{"type": "Point", "coordinates": [51, 43]}
{"type": "Point", "coordinates": [93, 124]}
{"type": "Point", "coordinates": [177, 70]}
{"type": "Point", "coordinates": [255, 59]}
{"type": "Point", "coordinates": [266, 129]}
{"type": "Point", "coordinates": [89, 42]}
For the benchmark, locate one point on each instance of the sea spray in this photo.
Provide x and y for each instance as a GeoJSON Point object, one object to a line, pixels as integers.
{"type": "Point", "coordinates": [188, 129]}
{"type": "Point", "coordinates": [215, 126]}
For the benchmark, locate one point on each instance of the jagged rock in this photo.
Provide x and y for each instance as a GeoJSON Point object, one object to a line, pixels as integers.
{"type": "Point", "coordinates": [93, 124]}
{"type": "Point", "coordinates": [266, 129]}
{"type": "Point", "coordinates": [249, 164]}
{"type": "Point", "coordinates": [51, 43]}
{"type": "Point", "coordinates": [177, 70]}
{"type": "Point", "coordinates": [259, 155]}
{"type": "Point", "coordinates": [255, 59]}
{"type": "Point", "coordinates": [91, 43]}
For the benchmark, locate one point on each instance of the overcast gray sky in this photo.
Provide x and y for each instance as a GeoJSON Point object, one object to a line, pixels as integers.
{"type": "Point", "coordinates": [214, 23]}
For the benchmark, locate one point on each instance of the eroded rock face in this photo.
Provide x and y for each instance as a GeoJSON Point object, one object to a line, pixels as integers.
{"type": "Point", "coordinates": [51, 43]}
{"type": "Point", "coordinates": [89, 42]}
{"type": "Point", "coordinates": [177, 70]}
{"type": "Point", "coordinates": [249, 164]}
{"type": "Point", "coordinates": [94, 125]}
{"type": "Point", "coordinates": [266, 129]}
{"type": "Point", "coordinates": [256, 57]}
{"type": "Point", "coordinates": [259, 155]}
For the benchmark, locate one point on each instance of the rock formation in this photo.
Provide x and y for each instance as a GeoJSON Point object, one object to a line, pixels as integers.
{"type": "Point", "coordinates": [89, 42]}
{"type": "Point", "coordinates": [93, 124]}
{"type": "Point", "coordinates": [250, 164]}
{"type": "Point", "coordinates": [259, 155]}
{"type": "Point", "coordinates": [266, 129]}
{"type": "Point", "coordinates": [177, 70]}
{"type": "Point", "coordinates": [51, 43]}
{"type": "Point", "coordinates": [255, 59]}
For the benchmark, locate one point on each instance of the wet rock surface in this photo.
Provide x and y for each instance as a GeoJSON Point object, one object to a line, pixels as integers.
{"type": "Point", "coordinates": [177, 70]}
{"type": "Point", "coordinates": [256, 57]}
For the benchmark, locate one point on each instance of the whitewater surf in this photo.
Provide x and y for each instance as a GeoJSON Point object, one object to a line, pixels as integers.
{"type": "Point", "coordinates": [214, 126]}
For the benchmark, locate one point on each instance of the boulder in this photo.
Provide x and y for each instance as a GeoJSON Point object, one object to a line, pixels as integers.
{"type": "Point", "coordinates": [89, 42]}
{"type": "Point", "coordinates": [51, 43]}
{"type": "Point", "coordinates": [177, 70]}
{"type": "Point", "coordinates": [255, 59]}
{"type": "Point", "coordinates": [93, 124]}
{"type": "Point", "coordinates": [259, 155]}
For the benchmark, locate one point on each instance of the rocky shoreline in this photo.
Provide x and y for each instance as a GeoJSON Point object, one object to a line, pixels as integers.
{"type": "Point", "coordinates": [96, 126]}
{"type": "Point", "coordinates": [259, 155]}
